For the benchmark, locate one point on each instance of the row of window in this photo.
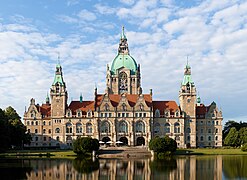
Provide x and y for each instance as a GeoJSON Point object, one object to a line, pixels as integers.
{"type": "Point", "coordinates": [166, 113]}
{"type": "Point", "coordinates": [167, 128]}
{"type": "Point", "coordinates": [208, 122]}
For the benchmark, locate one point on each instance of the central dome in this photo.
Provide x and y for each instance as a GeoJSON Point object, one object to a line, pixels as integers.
{"type": "Point", "coordinates": [125, 61]}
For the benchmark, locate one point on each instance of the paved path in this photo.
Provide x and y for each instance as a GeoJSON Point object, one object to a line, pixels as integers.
{"type": "Point", "coordinates": [124, 152]}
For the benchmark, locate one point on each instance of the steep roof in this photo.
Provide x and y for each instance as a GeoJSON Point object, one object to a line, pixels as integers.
{"type": "Point", "coordinates": [131, 98]}
{"type": "Point", "coordinates": [84, 106]}
{"type": "Point", "coordinates": [165, 105]}
{"type": "Point", "coordinates": [45, 110]}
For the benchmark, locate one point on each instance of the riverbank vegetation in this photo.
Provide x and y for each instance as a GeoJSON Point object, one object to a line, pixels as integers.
{"type": "Point", "coordinates": [13, 133]}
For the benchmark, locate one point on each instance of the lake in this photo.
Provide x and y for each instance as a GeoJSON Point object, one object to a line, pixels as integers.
{"type": "Point", "coordinates": [181, 167]}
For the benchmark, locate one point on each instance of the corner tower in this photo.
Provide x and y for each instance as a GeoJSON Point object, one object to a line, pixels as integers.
{"type": "Point", "coordinates": [58, 94]}
{"type": "Point", "coordinates": [187, 100]}
{"type": "Point", "coordinates": [124, 75]}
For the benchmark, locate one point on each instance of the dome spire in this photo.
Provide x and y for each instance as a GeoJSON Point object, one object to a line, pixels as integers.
{"type": "Point", "coordinates": [123, 45]}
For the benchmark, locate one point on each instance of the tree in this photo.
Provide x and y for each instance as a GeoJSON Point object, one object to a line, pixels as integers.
{"type": "Point", "coordinates": [243, 135]}
{"type": "Point", "coordinates": [85, 145]}
{"type": "Point", "coordinates": [229, 124]}
{"type": "Point", "coordinates": [232, 138]}
{"type": "Point", "coordinates": [12, 130]}
{"type": "Point", "coordinates": [162, 145]}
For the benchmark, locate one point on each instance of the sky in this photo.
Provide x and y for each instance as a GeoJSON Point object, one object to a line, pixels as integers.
{"type": "Point", "coordinates": [161, 35]}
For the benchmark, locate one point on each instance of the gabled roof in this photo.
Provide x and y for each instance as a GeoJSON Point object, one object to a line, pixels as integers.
{"type": "Point", "coordinates": [131, 98]}
{"type": "Point", "coordinates": [84, 106]}
{"type": "Point", "coordinates": [165, 105]}
{"type": "Point", "coordinates": [45, 109]}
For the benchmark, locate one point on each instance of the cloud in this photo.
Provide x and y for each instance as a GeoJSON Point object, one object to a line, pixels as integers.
{"type": "Point", "coordinates": [86, 15]}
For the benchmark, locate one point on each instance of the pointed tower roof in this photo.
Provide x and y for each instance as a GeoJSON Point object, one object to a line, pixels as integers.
{"type": "Point", "coordinates": [47, 99]}
{"type": "Point", "coordinates": [187, 75]}
{"type": "Point", "coordinates": [58, 74]}
{"type": "Point", "coordinates": [123, 59]}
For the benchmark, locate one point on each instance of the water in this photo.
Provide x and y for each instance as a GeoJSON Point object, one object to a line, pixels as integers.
{"type": "Point", "coordinates": [182, 167]}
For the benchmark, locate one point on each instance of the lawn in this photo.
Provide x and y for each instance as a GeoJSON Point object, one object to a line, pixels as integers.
{"type": "Point", "coordinates": [40, 153]}
{"type": "Point", "coordinates": [205, 151]}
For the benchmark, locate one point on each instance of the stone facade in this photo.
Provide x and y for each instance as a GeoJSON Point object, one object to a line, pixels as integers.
{"type": "Point", "coordinates": [123, 115]}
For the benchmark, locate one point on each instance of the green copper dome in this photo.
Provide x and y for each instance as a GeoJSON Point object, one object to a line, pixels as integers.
{"type": "Point", "coordinates": [124, 60]}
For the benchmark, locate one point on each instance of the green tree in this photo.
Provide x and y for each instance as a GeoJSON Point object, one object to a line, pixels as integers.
{"type": "Point", "coordinates": [161, 145]}
{"type": "Point", "coordinates": [85, 145]}
{"type": "Point", "coordinates": [232, 138]}
{"type": "Point", "coordinates": [243, 135]}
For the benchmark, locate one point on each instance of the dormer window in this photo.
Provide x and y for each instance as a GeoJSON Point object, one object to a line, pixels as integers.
{"type": "Point", "coordinates": [166, 113]}
{"type": "Point", "coordinates": [124, 107]}
{"type": "Point", "coordinates": [89, 114]}
{"type": "Point", "coordinates": [106, 107]}
{"type": "Point", "coordinates": [79, 114]}
{"type": "Point", "coordinates": [141, 107]}
{"type": "Point", "coordinates": [177, 113]}
{"type": "Point", "coordinates": [157, 113]}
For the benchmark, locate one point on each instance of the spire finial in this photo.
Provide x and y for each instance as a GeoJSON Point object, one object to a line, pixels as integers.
{"type": "Point", "coordinates": [123, 34]}
{"type": "Point", "coordinates": [81, 98]}
{"type": "Point", "coordinates": [58, 58]}
{"type": "Point", "coordinates": [47, 100]}
{"type": "Point", "coordinates": [187, 59]}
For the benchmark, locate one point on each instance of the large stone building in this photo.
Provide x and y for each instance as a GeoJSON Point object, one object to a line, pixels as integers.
{"type": "Point", "coordinates": [123, 113]}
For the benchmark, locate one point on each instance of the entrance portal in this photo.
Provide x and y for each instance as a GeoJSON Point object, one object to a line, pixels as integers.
{"type": "Point", "coordinates": [106, 139]}
{"type": "Point", "coordinates": [124, 141]}
{"type": "Point", "coordinates": [140, 141]}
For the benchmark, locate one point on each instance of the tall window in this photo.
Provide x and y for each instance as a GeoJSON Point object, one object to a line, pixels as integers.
{"type": "Point", "coordinates": [167, 128]}
{"type": "Point", "coordinates": [78, 128]}
{"type": "Point", "coordinates": [157, 113]}
{"type": "Point", "coordinates": [123, 83]}
{"type": "Point", "coordinates": [57, 130]}
{"type": "Point", "coordinates": [124, 107]}
{"type": "Point", "coordinates": [105, 127]}
{"type": "Point", "coordinates": [176, 128]}
{"type": "Point", "coordinates": [123, 127]}
{"type": "Point", "coordinates": [188, 130]}
{"type": "Point", "coordinates": [140, 127]}
{"type": "Point", "coordinates": [89, 128]}
{"type": "Point", "coordinates": [68, 128]}
{"type": "Point", "coordinates": [156, 127]}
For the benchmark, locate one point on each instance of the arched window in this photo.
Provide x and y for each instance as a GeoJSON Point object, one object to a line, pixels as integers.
{"type": "Point", "coordinates": [57, 130]}
{"type": "Point", "coordinates": [68, 128]}
{"type": "Point", "coordinates": [157, 113]}
{"type": "Point", "coordinates": [89, 128]}
{"type": "Point", "coordinates": [105, 127]}
{"type": "Point", "coordinates": [49, 131]}
{"type": "Point", "coordinates": [28, 123]}
{"type": "Point", "coordinates": [216, 138]}
{"type": "Point", "coordinates": [57, 138]}
{"type": "Point", "coordinates": [209, 138]}
{"type": "Point", "coordinates": [44, 131]}
{"type": "Point", "coordinates": [124, 107]}
{"type": "Point", "coordinates": [140, 127]}
{"type": "Point", "coordinates": [36, 123]}
{"type": "Point", "coordinates": [157, 127]}
{"type": "Point", "coordinates": [209, 130]}
{"type": "Point", "coordinates": [32, 123]}
{"type": "Point", "coordinates": [78, 128]}
{"type": "Point", "coordinates": [176, 128]}
{"type": "Point", "coordinates": [177, 113]}
{"type": "Point", "coordinates": [79, 113]}
{"type": "Point", "coordinates": [188, 130]}
{"type": "Point", "coordinates": [36, 131]}
{"type": "Point", "coordinates": [123, 82]}
{"type": "Point", "coordinates": [141, 107]}
{"type": "Point", "coordinates": [123, 127]}
{"type": "Point", "coordinates": [167, 113]}
{"type": "Point", "coordinates": [107, 107]}
{"type": "Point", "coordinates": [167, 128]}
{"type": "Point", "coordinates": [57, 88]}
{"type": "Point", "coordinates": [216, 130]}
{"type": "Point", "coordinates": [201, 138]}
{"type": "Point", "coordinates": [44, 123]}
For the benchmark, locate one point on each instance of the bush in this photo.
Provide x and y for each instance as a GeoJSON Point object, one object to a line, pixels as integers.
{"type": "Point", "coordinates": [164, 145]}
{"type": "Point", "coordinates": [244, 147]}
{"type": "Point", "coordinates": [85, 145]}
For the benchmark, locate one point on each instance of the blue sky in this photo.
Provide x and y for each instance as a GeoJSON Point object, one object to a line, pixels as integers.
{"type": "Point", "coordinates": [161, 34]}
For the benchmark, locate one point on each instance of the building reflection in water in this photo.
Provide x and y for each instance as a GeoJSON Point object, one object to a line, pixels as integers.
{"type": "Point", "coordinates": [180, 168]}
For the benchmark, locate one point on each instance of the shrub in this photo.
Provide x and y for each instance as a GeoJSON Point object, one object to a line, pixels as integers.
{"type": "Point", "coordinates": [85, 145]}
{"type": "Point", "coordinates": [244, 147]}
{"type": "Point", "coordinates": [164, 145]}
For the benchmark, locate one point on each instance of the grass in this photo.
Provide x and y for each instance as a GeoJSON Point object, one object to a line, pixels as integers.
{"type": "Point", "coordinates": [209, 151]}
{"type": "Point", "coordinates": [40, 154]}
